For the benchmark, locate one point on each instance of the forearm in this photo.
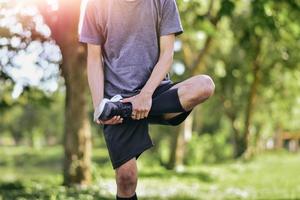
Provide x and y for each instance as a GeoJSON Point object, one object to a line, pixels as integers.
{"type": "Point", "coordinates": [163, 65]}
{"type": "Point", "coordinates": [96, 80]}
{"type": "Point", "coordinates": [159, 72]}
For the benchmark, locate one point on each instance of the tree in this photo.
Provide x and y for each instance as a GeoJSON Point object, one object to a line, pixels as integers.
{"type": "Point", "coordinates": [239, 43]}
{"type": "Point", "coordinates": [259, 38]}
{"type": "Point", "coordinates": [77, 140]}
{"type": "Point", "coordinates": [63, 24]}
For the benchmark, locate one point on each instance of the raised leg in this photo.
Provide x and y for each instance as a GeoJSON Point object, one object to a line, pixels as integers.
{"type": "Point", "coordinates": [192, 92]}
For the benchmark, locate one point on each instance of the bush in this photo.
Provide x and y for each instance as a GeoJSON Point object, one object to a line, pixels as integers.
{"type": "Point", "coordinates": [208, 148]}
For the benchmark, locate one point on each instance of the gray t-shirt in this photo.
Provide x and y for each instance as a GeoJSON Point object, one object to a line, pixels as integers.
{"type": "Point", "coordinates": [128, 32]}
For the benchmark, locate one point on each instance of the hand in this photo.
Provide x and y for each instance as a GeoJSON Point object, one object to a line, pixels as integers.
{"type": "Point", "coordinates": [141, 105]}
{"type": "Point", "coordinates": [112, 121]}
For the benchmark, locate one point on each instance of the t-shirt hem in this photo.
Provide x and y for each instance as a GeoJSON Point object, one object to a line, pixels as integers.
{"type": "Point", "coordinates": [171, 31]}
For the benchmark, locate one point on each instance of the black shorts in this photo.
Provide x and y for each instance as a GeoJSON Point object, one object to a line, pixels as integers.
{"type": "Point", "coordinates": [131, 138]}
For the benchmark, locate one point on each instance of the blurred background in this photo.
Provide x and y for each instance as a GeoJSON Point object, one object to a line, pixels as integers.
{"type": "Point", "coordinates": [241, 144]}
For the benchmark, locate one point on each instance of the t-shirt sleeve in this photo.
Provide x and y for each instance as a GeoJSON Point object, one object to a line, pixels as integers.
{"type": "Point", "coordinates": [90, 31]}
{"type": "Point", "coordinates": [170, 20]}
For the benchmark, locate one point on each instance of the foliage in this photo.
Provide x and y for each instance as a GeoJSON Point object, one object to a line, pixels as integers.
{"type": "Point", "coordinates": [35, 119]}
{"type": "Point", "coordinates": [208, 148]}
{"type": "Point", "coordinates": [249, 48]}
{"type": "Point", "coordinates": [28, 56]}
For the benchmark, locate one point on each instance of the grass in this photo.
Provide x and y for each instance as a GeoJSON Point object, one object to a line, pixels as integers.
{"type": "Point", "coordinates": [36, 174]}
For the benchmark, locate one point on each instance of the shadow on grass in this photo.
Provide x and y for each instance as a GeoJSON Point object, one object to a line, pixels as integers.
{"type": "Point", "coordinates": [166, 174]}
{"type": "Point", "coordinates": [19, 190]}
{"type": "Point", "coordinates": [32, 159]}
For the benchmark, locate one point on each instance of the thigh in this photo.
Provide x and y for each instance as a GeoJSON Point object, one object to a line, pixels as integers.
{"type": "Point", "coordinates": [169, 118]}
{"type": "Point", "coordinates": [188, 82]}
{"type": "Point", "coordinates": [185, 83]}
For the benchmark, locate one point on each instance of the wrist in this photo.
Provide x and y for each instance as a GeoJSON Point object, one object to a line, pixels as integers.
{"type": "Point", "coordinates": [98, 108]}
{"type": "Point", "coordinates": [96, 104]}
{"type": "Point", "coordinates": [147, 92]}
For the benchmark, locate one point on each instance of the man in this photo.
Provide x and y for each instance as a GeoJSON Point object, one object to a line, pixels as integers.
{"type": "Point", "coordinates": [130, 51]}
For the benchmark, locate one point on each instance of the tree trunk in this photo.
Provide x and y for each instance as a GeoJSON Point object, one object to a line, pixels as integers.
{"type": "Point", "coordinates": [250, 105]}
{"type": "Point", "coordinates": [178, 143]}
{"type": "Point", "coordinates": [238, 144]}
{"type": "Point", "coordinates": [236, 137]}
{"type": "Point", "coordinates": [173, 147]}
{"type": "Point", "coordinates": [77, 138]}
{"type": "Point", "coordinates": [188, 128]}
{"type": "Point", "coordinates": [180, 148]}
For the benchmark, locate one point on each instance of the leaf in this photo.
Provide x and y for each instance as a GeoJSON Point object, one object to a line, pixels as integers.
{"type": "Point", "coordinates": [227, 8]}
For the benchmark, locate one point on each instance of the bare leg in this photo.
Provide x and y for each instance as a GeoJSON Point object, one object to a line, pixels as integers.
{"type": "Point", "coordinates": [126, 178]}
{"type": "Point", "coordinates": [192, 92]}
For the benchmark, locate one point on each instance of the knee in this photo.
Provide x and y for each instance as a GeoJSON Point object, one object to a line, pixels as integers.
{"type": "Point", "coordinates": [208, 85]}
{"type": "Point", "coordinates": [126, 181]}
{"type": "Point", "coordinates": [205, 87]}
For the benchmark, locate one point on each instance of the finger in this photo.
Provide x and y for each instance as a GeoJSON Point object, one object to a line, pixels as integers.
{"type": "Point", "coordinates": [117, 120]}
{"type": "Point", "coordinates": [110, 121]}
{"type": "Point", "coordinates": [120, 121]}
{"type": "Point", "coordinates": [147, 113]}
{"type": "Point", "coordinates": [114, 118]}
{"type": "Point", "coordinates": [133, 114]}
{"type": "Point", "coordinates": [139, 115]}
{"type": "Point", "coordinates": [144, 115]}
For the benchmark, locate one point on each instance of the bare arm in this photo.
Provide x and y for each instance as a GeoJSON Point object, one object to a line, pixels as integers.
{"type": "Point", "coordinates": [163, 65]}
{"type": "Point", "coordinates": [142, 102]}
{"type": "Point", "coordinates": [95, 74]}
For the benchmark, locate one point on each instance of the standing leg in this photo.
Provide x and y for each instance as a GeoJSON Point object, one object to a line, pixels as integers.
{"type": "Point", "coordinates": [126, 178]}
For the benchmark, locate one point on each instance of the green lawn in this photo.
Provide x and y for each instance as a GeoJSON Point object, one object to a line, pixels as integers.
{"type": "Point", "coordinates": [35, 174]}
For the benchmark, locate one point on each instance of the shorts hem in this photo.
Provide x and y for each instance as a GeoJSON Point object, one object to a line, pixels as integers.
{"type": "Point", "coordinates": [120, 162]}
